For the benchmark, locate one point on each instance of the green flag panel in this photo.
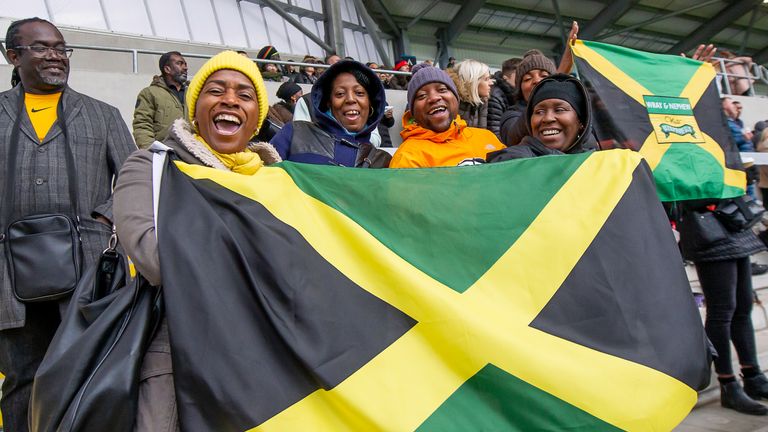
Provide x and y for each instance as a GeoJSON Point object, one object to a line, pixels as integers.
{"type": "Point", "coordinates": [467, 233]}
{"type": "Point", "coordinates": [493, 398]}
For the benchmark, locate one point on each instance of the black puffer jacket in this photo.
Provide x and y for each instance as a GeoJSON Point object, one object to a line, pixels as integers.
{"type": "Point", "coordinates": [512, 124]}
{"type": "Point", "coordinates": [502, 99]}
{"type": "Point", "coordinates": [531, 147]}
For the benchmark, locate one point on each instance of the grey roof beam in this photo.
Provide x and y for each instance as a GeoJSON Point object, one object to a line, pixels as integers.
{"type": "Point", "coordinates": [612, 12]}
{"type": "Point", "coordinates": [334, 32]}
{"type": "Point", "coordinates": [462, 19]}
{"type": "Point", "coordinates": [720, 21]}
{"type": "Point", "coordinates": [422, 13]}
{"type": "Point", "coordinates": [280, 10]}
{"type": "Point", "coordinates": [477, 29]}
{"type": "Point", "coordinates": [654, 20]}
{"type": "Point", "coordinates": [586, 18]}
{"type": "Point", "coordinates": [363, 13]}
{"type": "Point", "coordinates": [382, 10]}
{"type": "Point", "coordinates": [559, 22]}
{"type": "Point", "coordinates": [696, 18]}
{"type": "Point", "coordinates": [306, 13]}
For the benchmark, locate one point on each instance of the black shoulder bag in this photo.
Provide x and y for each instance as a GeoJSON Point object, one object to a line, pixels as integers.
{"type": "Point", "coordinates": [739, 214]}
{"type": "Point", "coordinates": [43, 251]}
{"type": "Point", "coordinates": [89, 377]}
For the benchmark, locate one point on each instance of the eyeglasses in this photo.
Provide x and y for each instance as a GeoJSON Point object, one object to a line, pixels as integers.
{"type": "Point", "coordinates": [40, 51]}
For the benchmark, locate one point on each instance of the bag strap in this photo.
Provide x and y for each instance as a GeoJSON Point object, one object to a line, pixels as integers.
{"type": "Point", "coordinates": [159, 154]}
{"type": "Point", "coordinates": [13, 150]}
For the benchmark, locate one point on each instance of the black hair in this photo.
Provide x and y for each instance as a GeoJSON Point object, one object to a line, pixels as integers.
{"type": "Point", "coordinates": [15, 77]}
{"type": "Point", "coordinates": [12, 35]}
{"type": "Point", "coordinates": [166, 58]}
{"type": "Point", "coordinates": [350, 68]}
{"type": "Point", "coordinates": [510, 66]}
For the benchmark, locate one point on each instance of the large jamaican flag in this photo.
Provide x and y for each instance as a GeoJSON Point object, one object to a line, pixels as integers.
{"type": "Point", "coordinates": [667, 108]}
{"type": "Point", "coordinates": [541, 294]}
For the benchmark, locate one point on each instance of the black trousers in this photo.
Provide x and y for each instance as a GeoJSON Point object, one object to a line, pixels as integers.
{"type": "Point", "coordinates": [21, 351]}
{"type": "Point", "coordinates": [727, 287]}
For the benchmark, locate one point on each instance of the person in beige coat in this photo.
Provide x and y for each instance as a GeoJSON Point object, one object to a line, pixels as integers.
{"type": "Point", "coordinates": [227, 101]}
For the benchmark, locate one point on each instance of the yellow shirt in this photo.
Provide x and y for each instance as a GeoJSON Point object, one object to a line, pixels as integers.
{"type": "Point", "coordinates": [42, 111]}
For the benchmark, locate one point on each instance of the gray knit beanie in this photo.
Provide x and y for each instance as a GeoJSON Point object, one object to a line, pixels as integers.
{"type": "Point", "coordinates": [532, 60]}
{"type": "Point", "coordinates": [424, 74]}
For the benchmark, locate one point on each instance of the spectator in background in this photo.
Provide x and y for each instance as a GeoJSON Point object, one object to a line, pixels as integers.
{"type": "Point", "coordinates": [384, 77]}
{"type": "Point", "coordinates": [49, 118]}
{"type": "Point", "coordinates": [473, 81]}
{"type": "Point", "coordinates": [533, 68]}
{"type": "Point", "coordinates": [451, 63]}
{"type": "Point", "coordinates": [282, 112]}
{"type": "Point", "coordinates": [348, 102]}
{"type": "Point", "coordinates": [757, 132]}
{"type": "Point", "coordinates": [330, 59]}
{"type": "Point", "coordinates": [269, 71]}
{"type": "Point", "coordinates": [433, 133]}
{"type": "Point", "coordinates": [738, 65]}
{"type": "Point", "coordinates": [242, 53]}
{"type": "Point", "coordinates": [503, 96]}
{"type": "Point", "coordinates": [158, 105]}
{"type": "Point", "coordinates": [762, 146]}
{"type": "Point", "coordinates": [558, 121]}
{"type": "Point", "coordinates": [290, 71]}
{"type": "Point", "coordinates": [386, 122]}
{"type": "Point", "coordinates": [306, 73]}
{"type": "Point", "coordinates": [743, 138]}
{"type": "Point", "coordinates": [400, 82]}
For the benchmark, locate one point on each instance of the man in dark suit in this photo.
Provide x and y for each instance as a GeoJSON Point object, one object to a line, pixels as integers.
{"type": "Point", "coordinates": [99, 141]}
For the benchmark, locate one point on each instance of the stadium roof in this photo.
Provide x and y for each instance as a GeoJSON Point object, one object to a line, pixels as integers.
{"type": "Point", "coordinates": [512, 27]}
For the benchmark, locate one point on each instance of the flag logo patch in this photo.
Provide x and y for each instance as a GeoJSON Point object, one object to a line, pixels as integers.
{"type": "Point", "coordinates": [673, 120]}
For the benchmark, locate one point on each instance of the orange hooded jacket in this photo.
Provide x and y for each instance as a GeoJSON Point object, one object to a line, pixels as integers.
{"type": "Point", "coordinates": [458, 145]}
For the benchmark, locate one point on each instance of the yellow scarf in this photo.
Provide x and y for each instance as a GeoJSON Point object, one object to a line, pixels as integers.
{"type": "Point", "coordinates": [245, 162]}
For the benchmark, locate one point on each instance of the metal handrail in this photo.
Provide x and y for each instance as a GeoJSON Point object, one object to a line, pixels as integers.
{"type": "Point", "coordinates": [756, 73]}
{"type": "Point", "coordinates": [136, 51]}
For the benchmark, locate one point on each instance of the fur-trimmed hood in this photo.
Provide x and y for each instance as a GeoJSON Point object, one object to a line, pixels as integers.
{"type": "Point", "coordinates": [182, 140]}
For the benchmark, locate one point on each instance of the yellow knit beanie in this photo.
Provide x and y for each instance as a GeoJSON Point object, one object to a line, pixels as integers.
{"type": "Point", "coordinates": [234, 61]}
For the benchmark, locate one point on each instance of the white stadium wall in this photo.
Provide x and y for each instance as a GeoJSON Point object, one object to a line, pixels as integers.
{"type": "Point", "coordinates": [240, 25]}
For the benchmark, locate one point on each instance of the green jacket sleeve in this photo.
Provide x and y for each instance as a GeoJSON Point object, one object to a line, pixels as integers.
{"type": "Point", "coordinates": [143, 119]}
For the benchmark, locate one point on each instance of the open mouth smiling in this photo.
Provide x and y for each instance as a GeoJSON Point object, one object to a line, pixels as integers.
{"type": "Point", "coordinates": [352, 115]}
{"type": "Point", "coordinates": [550, 132]}
{"type": "Point", "coordinates": [227, 124]}
{"type": "Point", "coordinates": [438, 110]}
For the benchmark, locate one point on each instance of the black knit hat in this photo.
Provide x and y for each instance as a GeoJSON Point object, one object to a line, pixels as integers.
{"type": "Point", "coordinates": [287, 89]}
{"type": "Point", "coordinates": [268, 53]}
{"type": "Point", "coordinates": [532, 60]}
{"type": "Point", "coordinates": [556, 87]}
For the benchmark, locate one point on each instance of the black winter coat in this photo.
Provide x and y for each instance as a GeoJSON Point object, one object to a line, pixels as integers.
{"type": "Point", "coordinates": [502, 99]}
{"type": "Point", "coordinates": [512, 127]}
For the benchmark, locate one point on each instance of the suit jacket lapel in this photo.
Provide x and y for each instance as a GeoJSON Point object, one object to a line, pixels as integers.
{"type": "Point", "coordinates": [72, 104]}
{"type": "Point", "coordinates": [10, 104]}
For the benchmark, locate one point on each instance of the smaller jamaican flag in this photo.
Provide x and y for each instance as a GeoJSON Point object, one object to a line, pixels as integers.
{"type": "Point", "coordinates": [667, 108]}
